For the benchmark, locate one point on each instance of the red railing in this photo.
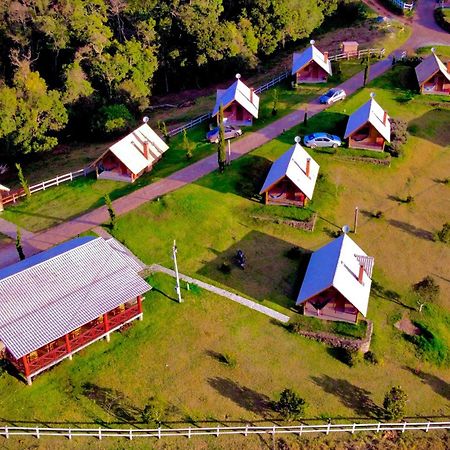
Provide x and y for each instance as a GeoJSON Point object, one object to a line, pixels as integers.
{"type": "Point", "coordinates": [94, 332]}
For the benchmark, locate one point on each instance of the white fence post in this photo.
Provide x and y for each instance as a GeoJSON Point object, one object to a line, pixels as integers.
{"type": "Point", "coordinates": [353, 428]}
{"type": "Point", "coordinates": [189, 432]}
{"type": "Point", "coordinates": [328, 428]}
{"type": "Point", "coordinates": [7, 432]}
{"type": "Point", "coordinates": [428, 427]}
{"type": "Point", "coordinates": [70, 433]}
{"type": "Point", "coordinates": [404, 427]}
{"type": "Point", "coordinates": [378, 427]}
{"type": "Point", "coordinates": [246, 430]}
{"type": "Point", "coordinates": [218, 431]}
{"type": "Point", "coordinates": [100, 434]}
{"type": "Point", "coordinates": [131, 434]}
{"type": "Point", "coordinates": [159, 432]}
{"type": "Point", "coordinates": [37, 433]}
{"type": "Point", "coordinates": [301, 429]}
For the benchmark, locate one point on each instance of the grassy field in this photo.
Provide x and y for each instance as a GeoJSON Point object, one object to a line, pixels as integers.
{"type": "Point", "coordinates": [53, 206]}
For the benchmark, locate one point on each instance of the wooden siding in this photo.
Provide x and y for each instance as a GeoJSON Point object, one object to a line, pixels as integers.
{"type": "Point", "coordinates": [235, 114]}
{"type": "Point", "coordinates": [311, 73]}
{"type": "Point", "coordinates": [285, 193]}
{"type": "Point", "coordinates": [437, 84]}
{"type": "Point", "coordinates": [335, 307]}
{"type": "Point", "coordinates": [367, 137]}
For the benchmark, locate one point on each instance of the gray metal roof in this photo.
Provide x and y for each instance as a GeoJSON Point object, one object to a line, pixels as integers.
{"type": "Point", "coordinates": [292, 164]}
{"type": "Point", "coordinates": [312, 53]}
{"type": "Point", "coordinates": [430, 66]}
{"type": "Point", "coordinates": [337, 264]}
{"type": "Point", "coordinates": [63, 289]}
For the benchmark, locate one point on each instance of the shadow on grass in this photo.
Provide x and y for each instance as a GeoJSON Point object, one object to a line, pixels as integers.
{"type": "Point", "coordinates": [271, 271]}
{"type": "Point", "coordinates": [432, 126]}
{"type": "Point", "coordinates": [113, 402]}
{"type": "Point", "coordinates": [351, 396]}
{"type": "Point", "coordinates": [438, 385]}
{"type": "Point", "coordinates": [241, 395]}
{"type": "Point", "coordinates": [411, 229]}
{"type": "Point", "coordinates": [164, 294]}
{"type": "Point", "coordinates": [389, 295]}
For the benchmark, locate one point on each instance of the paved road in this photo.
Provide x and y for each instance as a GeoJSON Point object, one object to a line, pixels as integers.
{"type": "Point", "coordinates": [425, 32]}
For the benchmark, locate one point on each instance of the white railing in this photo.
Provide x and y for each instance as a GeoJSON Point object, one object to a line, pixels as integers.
{"type": "Point", "coordinates": [59, 179]}
{"type": "Point", "coordinates": [358, 54]}
{"type": "Point", "coordinates": [217, 431]}
{"type": "Point", "coordinates": [403, 5]}
{"type": "Point", "coordinates": [272, 82]}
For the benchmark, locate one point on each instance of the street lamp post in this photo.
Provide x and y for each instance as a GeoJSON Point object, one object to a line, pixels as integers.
{"type": "Point", "coordinates": [177, 287]}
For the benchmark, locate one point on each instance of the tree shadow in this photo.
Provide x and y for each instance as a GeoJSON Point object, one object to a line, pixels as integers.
{"type": "Point", "coordinates": [432, 126]}
{"type": "Point", "coordinates": [389, 295]}
{"type": "Point", "coordinates": [351, 396]}
{"type": "Point", "coordinates": [270, 269]}
{"type": "Point", "coordinates": [411, 229]}
{"type": "Point", "coordinates": [241, 395]}
{"type": "Point", "coordinates": [113, 402]}
{"type": "Point", "coordinates": [439, 386]}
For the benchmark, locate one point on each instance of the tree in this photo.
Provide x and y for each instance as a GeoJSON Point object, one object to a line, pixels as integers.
{"type": "Point", "coordinates": [444, 234]}
{"type": "Point", "coordinates": [187, 145]}
{"type": "Point", "coordinates": [395, 402]}
{"type": "Point", "coordinates": [399, 136]}
{"type": "Point", "coordinates": [290, 405]}
{"type": "Point", "coordinates": [23, 181]}
{"type": "Point", "coordinates": [153, 411]}
{"type": "Point", "coordinates": [366, 70]}
{"type": "Point", "coordinates": [426, 290]}
{"type": "Point", "coordinates": [275, 102]}
{"type": "Point", "coordinates": [221, 151]}
{"type": "Point", "coordinates": [19, 244]}
{"type": "Point", "coordinates": [111, 212]}
{"type": "Point", "coordinates": [112, 120]}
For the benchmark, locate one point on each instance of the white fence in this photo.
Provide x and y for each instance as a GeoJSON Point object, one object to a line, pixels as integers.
{"type": "Point", "coordinates": [403, 5]}
{"type": "Point", "coordinates": [273, 82]}
{"type": "Point", "coordinates": [358, 54]}
{"type": "Point", "coordinates": [246, 430]}
{"type": "Point", "coordinates": [59, 179]}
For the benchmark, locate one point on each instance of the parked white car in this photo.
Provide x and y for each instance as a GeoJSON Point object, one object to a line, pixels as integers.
{"type": "Point", "coordinates": [333, 96]}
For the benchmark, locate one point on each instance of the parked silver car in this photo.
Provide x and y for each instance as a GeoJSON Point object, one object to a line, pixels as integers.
{"type": "Point", "coordinates": [230, 132]}
{"type": "Point", "coordinates": [332, 96]}
{"type": "Point", "coordinates": [322, 140]}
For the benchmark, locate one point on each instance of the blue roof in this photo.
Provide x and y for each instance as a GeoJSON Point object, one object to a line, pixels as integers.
{"type": "Point", "coordinates": [44, 256]}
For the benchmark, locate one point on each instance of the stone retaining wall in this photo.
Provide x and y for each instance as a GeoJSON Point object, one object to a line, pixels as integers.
{"type": "Point", "coordinates": [335, 340]}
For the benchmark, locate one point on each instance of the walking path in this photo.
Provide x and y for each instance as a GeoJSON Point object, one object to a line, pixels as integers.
{"type": "Point", "coordinates": [425, 32]}
{"type": "Point", "coordinates": [223, 293]}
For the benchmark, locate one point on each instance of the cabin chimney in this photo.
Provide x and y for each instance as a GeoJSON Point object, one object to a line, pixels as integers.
{"type": "Point", "coordinates": [448, 66]}
{"type": "Point", "coordinates": [361, 273]}
{"type": "Point", "coordinates": [308, 166]}
{"type": "Point", "coordinates": [146, 150]}
{"type": "Point", "coordinates": [251, 95]}
{"type": "Point", "coordinates": [325, 56]}
{"type": "Point", "coordinates": [384, 118]}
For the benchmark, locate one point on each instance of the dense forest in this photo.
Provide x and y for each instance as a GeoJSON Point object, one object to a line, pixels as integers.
{"type": "Point", "coordinates": [71, 65]}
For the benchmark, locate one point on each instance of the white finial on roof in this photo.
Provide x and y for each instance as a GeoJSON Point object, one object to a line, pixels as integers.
{"type": "Point", "coordinates": [312, 41]}
{"type": "Point", "coordinates": [433, 50]}
{"type": "Point", "coordinates": [145, 119]}
{"type": "Point", "coordinates": [345, 229]}
{"type": "Point", "coordinates": [372, 94]}
{"type": "Point", "coordinates": [297, 139]}
{"type": "Point", "coordinates": [238, 76]}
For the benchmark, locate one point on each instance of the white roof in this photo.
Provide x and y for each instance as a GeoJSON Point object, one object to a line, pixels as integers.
{"type": "Point", "coordinates": [241, 93]}
{"type": "Point", "coordinates": [337, 264]}
{"type": "Point", "coordinates": [370, 112]}
{"type": "Point", "coordinates": [429, 66]}
{"type": "Point", "coordinates": [54, 292]}
{"type": "Point", "coordinates": [130, 149]}
{"type": "Point", "coordinates": [312, 53]}
{"type": "Point", "coordinates": [292, 164]}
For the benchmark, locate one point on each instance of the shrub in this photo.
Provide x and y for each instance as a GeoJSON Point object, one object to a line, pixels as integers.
{"type": "Point", "coordinates": [441, 19]}
{"type": "Point", "coordinates": [188, 146]}
{"type": "Point", "coordinates": [153, 411]}
{"type": "Point", "coordinates": [23, 181]}
{"type": "Point", "coordinates": [351, 357]}
{"type": "Point", "coordinates": [228, 360]}
{"type": "Point", "coordinates": [111, 212]}
{"type": "Point", "coordinates": [430, 346]}
{"type": "Point", "coordinates": [395, 402]}
{"type": "Point", "coordinates": [399, 136]}
{"type": "Point", "coordinates": [444, 234]}
{"type": "Point", "coordinates": [112, 120]}
{"type": "Point", "coordinates": [290, 405]}
{"type": "Point", "coordinates": [225, 268]}
{"type": "Point", "coordinates": [427, 289]}
{"type": "Point", "coordinates": [378, 215]}
{"type": "Point", "coordinates": [371, 358]}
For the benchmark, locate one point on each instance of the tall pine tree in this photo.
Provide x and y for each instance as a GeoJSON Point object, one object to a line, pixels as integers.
{"type": "Point", "coordinates": [221, 151]}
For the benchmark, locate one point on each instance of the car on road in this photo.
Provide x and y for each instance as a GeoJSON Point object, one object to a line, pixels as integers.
{"type": "Point", "coordinates": [322, 140]}
{"type": "Point", "coordinates": [230, 132]}
{"type": "Point", "coordinates": [333, 96]}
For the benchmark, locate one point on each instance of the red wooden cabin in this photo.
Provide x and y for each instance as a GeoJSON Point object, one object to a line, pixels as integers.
{"type": "Point", "coordinates": [433, 76]}
{"type": "Point", "coordinates": [57, 302]}
{"type": "Point", "coordinates": [311, 66]}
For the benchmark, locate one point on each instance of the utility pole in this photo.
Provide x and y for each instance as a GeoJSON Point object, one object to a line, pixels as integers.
{"type": "Point", "coordinates": [229, 152]}
{"type": "Point", "coordinates": [355, 225]}
{"type": "Point", "coordinates": [177, 287]}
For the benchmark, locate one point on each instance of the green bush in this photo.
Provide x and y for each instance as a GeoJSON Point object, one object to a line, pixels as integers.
{"type": "Point", "coordinates": [371, 358]}
{"type": "Point", "coordinates": [228, 360]}
{"type": "Point", "coordinates": [351, 357]}
{"type": "Point", "coordinates": [153, 411]}
{"type": "Point", "coordinates": [395, 402]}
{"type": "Point", "coordinates": [112, 120]}
{"type": "Point", "coordinates": [399, 136]}
{"type": "Point", "coordinates": [442, 20]}
{"type": "Point", "coordinates": [444, 234]}
{"type": "Point", "coordinates": [225, 268]}
{"type": "Point", "coordinates": [430, 345]}
{"type": "Point", "coordinates": [290, 405]}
